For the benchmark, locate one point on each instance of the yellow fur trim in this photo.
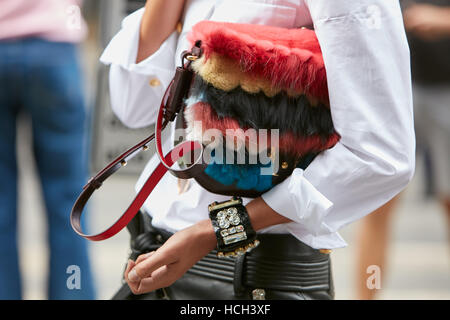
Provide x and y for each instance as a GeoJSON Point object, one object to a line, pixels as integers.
{"type": "Point", "coordinates": [226, 74]}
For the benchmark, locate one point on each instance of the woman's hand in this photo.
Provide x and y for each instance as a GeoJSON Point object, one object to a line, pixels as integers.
{"type": "Point", "coordinates": [164, 266]}
{"type": "Point", "coordinates": [161, 268]}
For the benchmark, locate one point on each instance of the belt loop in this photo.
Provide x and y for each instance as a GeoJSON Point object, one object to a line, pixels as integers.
{"type": "Point", "coordinates": [238, 285]}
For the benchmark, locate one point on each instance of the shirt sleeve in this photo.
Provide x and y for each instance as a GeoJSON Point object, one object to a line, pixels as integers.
{"type": "Point", "coordinates": [136, 89]}
{"type": "Point", "coordinates": [366, 57]}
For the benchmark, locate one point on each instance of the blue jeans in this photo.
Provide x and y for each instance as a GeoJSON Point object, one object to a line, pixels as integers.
{"type": "Point", "coordinates": [42, 79]}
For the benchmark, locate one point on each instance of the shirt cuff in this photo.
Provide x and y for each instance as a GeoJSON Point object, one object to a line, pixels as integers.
{"type": "Point", "coordinates": [326, 241]}
{"type": "Point", "coordinates": [123, 47]}
{"type": "Point", "coordinates": [298, 200]}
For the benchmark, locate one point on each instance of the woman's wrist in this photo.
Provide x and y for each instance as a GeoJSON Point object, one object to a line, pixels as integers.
{"type": "Point", "coordinates": [262, 215]}
{"type": "Point", "coordinates": [205, 233]}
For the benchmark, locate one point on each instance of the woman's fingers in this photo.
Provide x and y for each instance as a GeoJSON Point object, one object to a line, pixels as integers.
{"type": "Point", "coordinates": [144, 256]}
{"type": "Point", "coordinates": [168, 263]}
{"type": "Point", "coordinates": [130, 265]}
{"type": "Point", "coordinates": [146, 267]}
{"type": "Point", "coordinates": [160, 278]}
{"type": "Point", "coordinates": [134, 286]}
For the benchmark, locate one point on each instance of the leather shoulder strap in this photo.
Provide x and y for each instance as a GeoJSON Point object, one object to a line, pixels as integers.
{"type": "Point", "coordinates": [170, 106]}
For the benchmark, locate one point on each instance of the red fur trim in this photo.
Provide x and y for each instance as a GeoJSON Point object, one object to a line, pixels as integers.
{"type": "Point", "coordinates": [288, 142]}
{"type": "Point", "coordinates": [290, 58]}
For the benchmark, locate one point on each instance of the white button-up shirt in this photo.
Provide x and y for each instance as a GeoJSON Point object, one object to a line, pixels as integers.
{"type": "Point", "coordinates": [366, 57]}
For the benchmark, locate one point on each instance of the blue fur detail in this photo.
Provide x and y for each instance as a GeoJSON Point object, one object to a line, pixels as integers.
{"type": "Point", "coordinates": [244, 176]}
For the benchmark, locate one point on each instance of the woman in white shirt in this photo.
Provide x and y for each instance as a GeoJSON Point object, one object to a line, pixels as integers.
{"type": "Point", "coordinates": [367, 62]}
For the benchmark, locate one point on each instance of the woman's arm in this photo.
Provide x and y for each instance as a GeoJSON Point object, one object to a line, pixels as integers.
{"type": "Point", "coordinates": [136, 89]}
{"type": "Point", "coordinates": [427, 21]}
{"type": "Point", "coordinates": [160, 19]}
{"type": "Point", "coordinates": [180, 252]}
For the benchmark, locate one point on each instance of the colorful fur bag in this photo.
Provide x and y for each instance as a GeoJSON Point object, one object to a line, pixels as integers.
{"type": "Point", "coordinates": [256, 78]}
{"type": "Point", "coordinates": [252, 80]}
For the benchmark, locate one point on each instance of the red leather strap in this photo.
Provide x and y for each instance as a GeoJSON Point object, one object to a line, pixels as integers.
{"type": "Point", "coordinates": [187, 147]}
{"type": "Point", "coordinates": [138, 201]}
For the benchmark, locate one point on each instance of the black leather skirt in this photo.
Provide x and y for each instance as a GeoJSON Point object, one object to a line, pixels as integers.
{"type": "Point", "coordinates": [280, 268]}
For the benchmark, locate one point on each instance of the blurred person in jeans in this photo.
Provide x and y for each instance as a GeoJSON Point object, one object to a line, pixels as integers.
{"type": "Point", "coordinates": [427, 23]}
{"type": "Point", "coordinates": [40, 76]}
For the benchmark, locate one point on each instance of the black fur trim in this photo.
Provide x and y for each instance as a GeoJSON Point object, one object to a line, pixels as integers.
{"type": "Point", "coordinates": [288, 114]}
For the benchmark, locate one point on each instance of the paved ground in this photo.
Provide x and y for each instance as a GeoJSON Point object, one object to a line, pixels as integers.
{"type": "Point", "coordinates": [419, 265]}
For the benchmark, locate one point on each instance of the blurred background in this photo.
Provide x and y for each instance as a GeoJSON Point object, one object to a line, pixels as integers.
{"type": "Point", "coordinates": [408, 239]}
